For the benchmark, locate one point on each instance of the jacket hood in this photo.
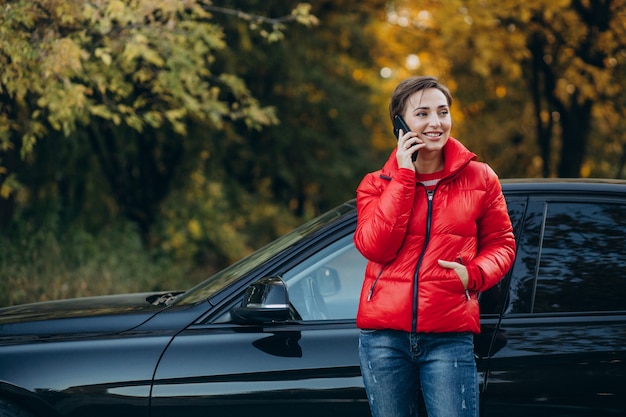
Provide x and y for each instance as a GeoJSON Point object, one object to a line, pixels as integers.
{"type": "Point", "coordinates": [455, 157]}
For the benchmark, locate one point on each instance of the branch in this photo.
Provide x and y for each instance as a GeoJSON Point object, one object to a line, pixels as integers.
{"type": "Point", "coordinates": [249, 16]}
{"type": "Point", "coordinates": [300, 14]}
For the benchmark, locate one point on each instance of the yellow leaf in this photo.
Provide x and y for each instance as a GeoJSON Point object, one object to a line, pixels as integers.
{"type": "Point", "coordinates": [117, 10]}
{"type": "Point", "coordinates": [5, 190]}
{"type": "Point", "coordinates": [64, 59]}
{"type": "Point", "coordinates": [153, 118]}
{"type": "Point", "coordinates": [100, 110]}
{"type": "Point", "coordinates": [143, 75]}
{"type": "Point", "coordinates": [132, 51]}
{"type": "Point", "coordinates": [152, 57]}
{"type": "Point", "coordinates": [104, 55]}
{"type": "Point", "coordinates": [141, 39]}
{"type": "Point", "coordinates": [125, 109]}
{"type": "Point", "coordinates": [194, 228]}
{"type": "Point", "coordinates": [175, 114]}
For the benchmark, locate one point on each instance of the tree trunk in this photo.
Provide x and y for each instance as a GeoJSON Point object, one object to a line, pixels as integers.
{"type": "Point", "coordinates": [11, 162]}
{"type": "Point", "coordinates": [542, 85]}
{"type": "Point", "coordinates": [139, 170]}
{"type": "Point", "coordinates": [575, 124]}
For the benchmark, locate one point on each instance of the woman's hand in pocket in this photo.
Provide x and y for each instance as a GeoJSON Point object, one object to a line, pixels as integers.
{"type": "Point", "coordinates": [459, 268]}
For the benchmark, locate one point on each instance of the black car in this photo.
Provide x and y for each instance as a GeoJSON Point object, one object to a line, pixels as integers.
{"type": "Point", "coordinates": [275, 334]}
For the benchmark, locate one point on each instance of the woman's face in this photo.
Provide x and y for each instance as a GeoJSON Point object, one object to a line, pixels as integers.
{"type": "Point", "coordinates": [427, 113]}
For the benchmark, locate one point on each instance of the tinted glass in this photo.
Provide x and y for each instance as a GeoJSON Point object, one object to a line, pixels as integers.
{"type": "Point", "coordinates": [521, 289]}
{"type": "Point", "coordinates": [582, 263]}
{"type": "Point", "coordinates": [327, 285]}
{"type": "Point", "coordinates": [491, 300]}
{"type": "Point", "coordinates": [232, 273]}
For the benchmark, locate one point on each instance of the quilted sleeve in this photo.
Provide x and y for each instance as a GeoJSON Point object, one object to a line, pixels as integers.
{"type": "Point", "coordinates": [496, 242]}
{"type": "Point", "coordinates": [383, 208]}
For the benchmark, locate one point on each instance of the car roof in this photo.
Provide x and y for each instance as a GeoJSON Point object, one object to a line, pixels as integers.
{"type": "Point", "coordinates": [586, 185]}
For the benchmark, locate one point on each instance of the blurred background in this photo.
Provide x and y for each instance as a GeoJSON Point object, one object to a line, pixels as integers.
{"type": "Point", "coordinates": [146, 144]}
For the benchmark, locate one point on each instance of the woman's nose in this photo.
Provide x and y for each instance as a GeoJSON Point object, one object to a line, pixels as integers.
{"type": "Point", "coordinates": [433, 120]}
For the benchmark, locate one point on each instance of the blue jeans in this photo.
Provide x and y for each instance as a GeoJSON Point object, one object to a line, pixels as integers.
{"type": "Point", "coordinates": [396, 365]}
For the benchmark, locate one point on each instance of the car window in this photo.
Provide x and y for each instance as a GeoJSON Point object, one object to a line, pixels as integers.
{"type": "Point", "coordinates": [492, 299]}
{"type": "Point", "coordinates": [582, 259]}
{"type": "Point", "coordinates": [228, 275]}
{"type": "Point", "coordinates": [327, 285]}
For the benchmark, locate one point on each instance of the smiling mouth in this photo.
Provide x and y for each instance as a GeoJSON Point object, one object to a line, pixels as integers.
{"type": "Point", "coordinates": [433, 135]}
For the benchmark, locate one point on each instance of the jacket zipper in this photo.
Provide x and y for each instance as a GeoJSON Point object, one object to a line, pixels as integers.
{"type": "Point", "coordinates": [371, 293]}
{"type": "Point", "coordinates": [430, 194]}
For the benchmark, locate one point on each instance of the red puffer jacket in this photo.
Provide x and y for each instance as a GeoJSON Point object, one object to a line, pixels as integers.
{"type": "Point", "coordinates": [403, 232]}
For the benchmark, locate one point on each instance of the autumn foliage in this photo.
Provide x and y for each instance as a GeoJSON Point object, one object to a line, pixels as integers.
{"type": "Point", "coordinates": [199, 131]}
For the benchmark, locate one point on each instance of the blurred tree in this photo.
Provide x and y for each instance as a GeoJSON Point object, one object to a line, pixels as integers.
{"type": "Point", "coordinates": [160, 97]}
{"type": "Point", "coordinates": [569, 56]}
{"type": "Point", "coordinates": [267, 181]}
{"type": "Point", "coordinates": [128, 77]}
{"type": "Point", "coordinates": [575, 48]}
{"type": "Point", "coordinates": [414, 39]}
{"type": "Point", "coordinates": [321, 87]}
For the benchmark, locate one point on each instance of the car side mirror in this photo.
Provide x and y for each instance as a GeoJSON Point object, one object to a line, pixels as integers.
{"type": "Point", "coordinates": [265, 301]}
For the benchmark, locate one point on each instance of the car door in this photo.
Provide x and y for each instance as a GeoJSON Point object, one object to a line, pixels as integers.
{"type": "Point", "coordinates": [563, 331]}
{"type": "Point", "coordinates": [306, 367]}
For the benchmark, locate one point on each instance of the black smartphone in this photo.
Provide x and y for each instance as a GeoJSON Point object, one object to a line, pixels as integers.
{"type": "Point", "coordinates": [399, 123]}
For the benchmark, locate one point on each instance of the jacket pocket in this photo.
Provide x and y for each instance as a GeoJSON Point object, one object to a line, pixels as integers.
{"type": "Point", "coordinates": [370, 294]}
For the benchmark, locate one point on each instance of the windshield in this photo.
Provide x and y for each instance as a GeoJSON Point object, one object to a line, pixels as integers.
{"type": "Point", "coordinates": [222, 279]}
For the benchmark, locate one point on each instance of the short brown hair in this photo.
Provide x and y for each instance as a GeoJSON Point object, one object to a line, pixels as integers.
{"type": "Point", "coordinates": [411, 85]}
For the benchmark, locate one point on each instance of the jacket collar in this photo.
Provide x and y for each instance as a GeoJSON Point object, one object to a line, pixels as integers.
{"type": "Point", "coordinates": [455, 156]}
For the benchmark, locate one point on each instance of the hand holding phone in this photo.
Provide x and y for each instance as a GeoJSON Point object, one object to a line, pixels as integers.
{"type": "Point", "coordinates": [399, 123]}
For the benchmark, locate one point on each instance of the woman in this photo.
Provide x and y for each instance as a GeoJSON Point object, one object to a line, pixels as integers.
{"type": "Point", "coordinates": [436, 232]}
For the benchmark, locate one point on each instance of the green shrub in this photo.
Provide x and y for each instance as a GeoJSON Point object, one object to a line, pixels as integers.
{"type": "Point", "coordinates": [44, 263]}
